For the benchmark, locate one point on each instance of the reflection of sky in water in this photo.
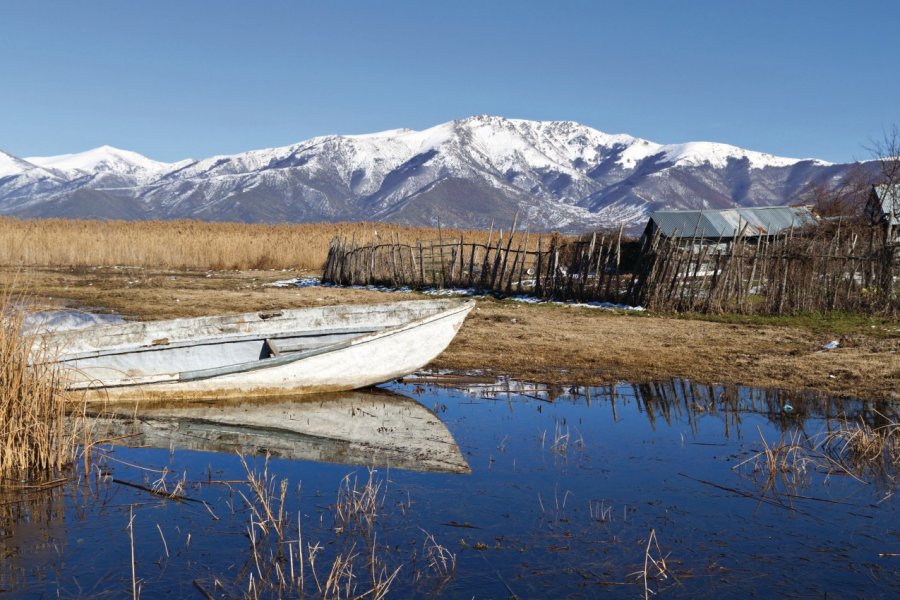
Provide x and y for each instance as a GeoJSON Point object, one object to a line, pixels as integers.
{"type": "Point", "coordinates": [643, 454]}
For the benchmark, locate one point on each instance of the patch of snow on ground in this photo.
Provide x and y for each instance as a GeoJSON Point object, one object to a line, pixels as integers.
{"type": "Point", "coordinates": [606, 305]}
{"type": "Point", "coordinates": [454, 292]}
{"type": "Point", "coordinates": [302, 282]}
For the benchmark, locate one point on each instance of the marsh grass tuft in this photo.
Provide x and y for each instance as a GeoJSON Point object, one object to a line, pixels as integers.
{"type": "Point", "coordinates": [358, 505]}
{"type": "Point", "coordinates": [161, 485]}
{"type": "Point", "coordinates": [866, 451]}
{"type": "Point", "coordinates": [560, 440]}
{"type": "Point", "coordinates": [267, 500]}
{"type": "Point", "coordinates": [599, 511]}
{"type": "Point", "coordinates": [34, 439]}
{"type": "Point", "coordinates": [441, 562]}
{"type": "Point", "coordinates": [281, 563]}
{"type": "Point", "coordinates": [784, 465]}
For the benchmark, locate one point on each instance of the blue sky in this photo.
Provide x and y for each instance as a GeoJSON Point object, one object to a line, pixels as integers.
{"type": "Point", "coordinates": [191, 79]}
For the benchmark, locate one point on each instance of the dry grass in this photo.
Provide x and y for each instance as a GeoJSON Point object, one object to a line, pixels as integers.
{"type": "Point", "coordinates": [33, 436]}
{"type": "Point", "coordinates": [190, 244]}
{"type": "Point", "coordinates": [282, 564]}
{"type": "Point", "coordinates": [357, 505]}
{"type": "Point", "coordinates": [560, 444]}
{"type": "Point", "coordinates": [868, 452]}
{"type": "Point", "coordinates": [783, 465]}
{"type": "Point", "coordinates": [440, 560]}
{"type": "Point", "coordinates": [440, 564]}
{"type": "Point", "coordinates": [655, 570]}
{"type": "Point", "coordinates": [267, 506]}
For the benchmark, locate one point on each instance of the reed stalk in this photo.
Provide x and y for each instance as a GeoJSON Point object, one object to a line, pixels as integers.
{"type": "Point", "coordinates": [355, 516]}
{"type": "Point", "coordinates": [34, 439]}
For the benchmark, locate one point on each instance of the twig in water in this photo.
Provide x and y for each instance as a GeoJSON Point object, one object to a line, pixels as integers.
{"type": "Point", "coordinates": [158, 493]}
{"type": "Point", "coordinates": [203, 591]}
{"type": "Point", "coordinates": [662, 571]}
{"type": "Point", "coordinates": [135, 590]}
{"type": "Point", "coordinates": [165, 545]}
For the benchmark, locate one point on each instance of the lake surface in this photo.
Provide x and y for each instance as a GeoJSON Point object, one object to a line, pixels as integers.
{"type": "Point", "coordinates": [537, 491]}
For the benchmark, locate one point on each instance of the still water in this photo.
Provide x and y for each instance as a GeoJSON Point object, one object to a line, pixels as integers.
{"type": "Point", "coordinates": [535, 491]}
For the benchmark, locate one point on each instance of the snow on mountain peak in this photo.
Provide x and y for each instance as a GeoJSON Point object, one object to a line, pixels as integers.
{"type": "Point", "coordinates": [101, 159]}
{"type": "Point", "coordinates": [718, 155]}
{"type": "Point", "coordinates": [705, 153]}
{"type": "Point", "coordinates": [562, 173]}
{"type": "Point", "coordinates": [14, 166]}
{"type": "Point", "coordinates": [10, 165]}
{"type": "Point", "coordinates": [412, 140]}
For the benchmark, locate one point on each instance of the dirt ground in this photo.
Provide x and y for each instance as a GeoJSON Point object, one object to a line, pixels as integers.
{"type": "Point", "coordinates": [548, 343]}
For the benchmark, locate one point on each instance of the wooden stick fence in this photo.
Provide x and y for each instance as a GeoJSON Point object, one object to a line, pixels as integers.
{"type": "Point", "coordinates": [543, 266]}
{"type": "Point", "coordinates": [785, 274]}
{"type": "Point", "coordinates": [778, 275]}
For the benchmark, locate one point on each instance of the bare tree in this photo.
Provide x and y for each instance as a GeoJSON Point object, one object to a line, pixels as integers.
{"type": "Point", "coordinates": [844, 200]}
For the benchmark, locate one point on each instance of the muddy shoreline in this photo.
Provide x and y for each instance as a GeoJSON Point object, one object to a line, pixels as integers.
{"type": "Point", "coordinates": [548, 343]}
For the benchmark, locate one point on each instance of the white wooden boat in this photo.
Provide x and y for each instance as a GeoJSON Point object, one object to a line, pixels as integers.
{"type": "Point", "coordinates": [294, 351]}
{"type": "Point", "coordinates": [360, 427]}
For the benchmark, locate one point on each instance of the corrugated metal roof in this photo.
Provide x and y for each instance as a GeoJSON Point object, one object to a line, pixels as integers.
{"type": "Point", "coordinates": [889, 195]}
{"type": "Point", "coordinates": [728, 223]}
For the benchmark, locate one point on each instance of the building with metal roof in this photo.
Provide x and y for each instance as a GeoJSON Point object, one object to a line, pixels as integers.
{"type": "Point", "coordinates": [728, 223]}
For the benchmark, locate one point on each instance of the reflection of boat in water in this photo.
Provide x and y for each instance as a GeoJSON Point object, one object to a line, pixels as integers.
{"type": "Point", "coordinates": [307, 350]}
{"type": "Point", "coordinates": [371, 427]}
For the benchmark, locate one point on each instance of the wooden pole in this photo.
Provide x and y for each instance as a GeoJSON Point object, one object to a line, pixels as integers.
{"type": "Point", "coordinates": [441, 242]}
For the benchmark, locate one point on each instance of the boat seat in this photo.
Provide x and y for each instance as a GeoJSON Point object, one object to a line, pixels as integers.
{"type": "Point", "coordinates": [280, 347]}
{"type": "Point", "coordinates": [273, 349]}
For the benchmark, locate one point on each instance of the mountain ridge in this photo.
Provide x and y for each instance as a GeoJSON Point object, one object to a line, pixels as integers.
{"type": "Point", "coordinates": [468, 172]}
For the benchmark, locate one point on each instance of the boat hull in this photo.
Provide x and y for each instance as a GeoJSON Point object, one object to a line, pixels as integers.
{"type": "Point", "coordinates": [209, 369]}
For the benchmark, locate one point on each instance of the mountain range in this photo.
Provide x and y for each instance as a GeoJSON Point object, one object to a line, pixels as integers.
{"type": "Point", "coordinates": [468, 173]}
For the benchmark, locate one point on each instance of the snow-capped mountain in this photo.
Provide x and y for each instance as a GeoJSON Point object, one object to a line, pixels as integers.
{"type": "Point", "coordinates": [105, 160]}
{"type": "Point", "coordinates": [470, 172]}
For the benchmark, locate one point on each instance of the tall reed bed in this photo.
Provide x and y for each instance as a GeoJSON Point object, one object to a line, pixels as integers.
{"type": "Point", "coordinates": [190, 244]}
{"type": "Point", "coordinates": [34, 439]}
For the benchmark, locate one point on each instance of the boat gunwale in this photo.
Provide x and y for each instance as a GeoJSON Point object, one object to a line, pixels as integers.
{"type": "Point", "coordinates": [250, 318]}
{"type": "Point", "coordinates": [210, 341]}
